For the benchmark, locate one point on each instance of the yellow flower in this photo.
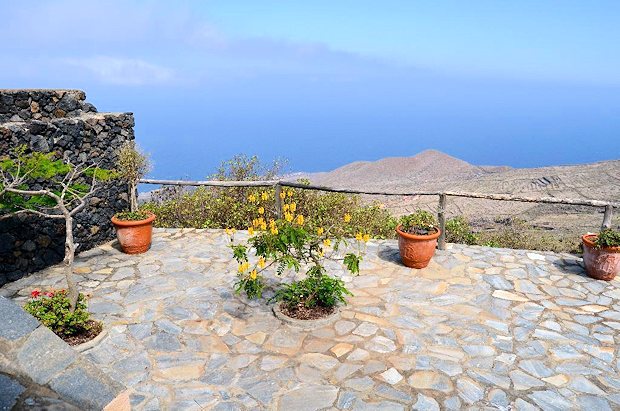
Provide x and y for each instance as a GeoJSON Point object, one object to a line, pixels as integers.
{"type": "Point", "coordinates": [366, 238]}
{"type": "Point", "coordinates": [252, 198]}
{"type": "Point", "coordinates": [347, 217]}
{"type": "Point", "coordinates": [263, 226]}
{"type": "Point", "coordinates": [261, 210]}
{"type": "Point", "coordinates": [300, 219]}
{"type": "Point", "coordinates": [272, 223]}
{"type": "Point", "coordinates": [251, 230]}
{"type": "Point", "coordinates": [274, 231]}
{"type": "Point", "coordinates": [264, 196]}
{"type": "Point", "coordinates": [327, 242]}
{"type": "Point", "coordinates": [321, 252]}
{"type": "Point", "coordinates": [285, 207]}
{"type": "Point", "coordinates": [282, 195]}
{"type": "Point", "coordinates": [319, 231]}
{"type": "Point", "coordinates": [358, 236]}
{"type": "Point", "coordinates": [253, 274]}
{"type": "Point", "coordinates": [293, 207]}
{"type": "Point", "coordinates": [290, 193]}
{"type": "Point", "coordinates": [230, 231]}
{"type": "Point", "coordinates": [243, 267]}
{"type": "Point", "coordinates": [288, 217]}
{"type": "Point", "coordinates": [261, 262]}
{"type": "Point", "coordinates": [255, 222]}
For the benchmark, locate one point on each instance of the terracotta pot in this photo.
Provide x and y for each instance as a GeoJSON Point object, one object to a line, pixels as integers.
{"type": "Point", "coordinates": [601, 263]}
{"type": "Point", "coordinates": [134, 236]}
{"type": "Point", "coordinates": [416, 251]}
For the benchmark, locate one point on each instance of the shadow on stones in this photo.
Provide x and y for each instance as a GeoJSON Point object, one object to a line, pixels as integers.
{"type": "Point", "coordinates": [390, 254]}
{"type": "Point", "coordinates": [571, 266]}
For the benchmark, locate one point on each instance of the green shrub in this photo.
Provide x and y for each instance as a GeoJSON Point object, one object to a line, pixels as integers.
{"type": "Point", "coordinates": [53, 309]}
{"type": "Point", "coordinates": [132, 215]}
{"type": "Point", "coordinates": [608, 238]}
{"type": "Point", "coordinates": [421, 222]}
{"type": "Point", "coordinates": [458, 230]}
{"type": "Point", "coordinates": [317, 289]}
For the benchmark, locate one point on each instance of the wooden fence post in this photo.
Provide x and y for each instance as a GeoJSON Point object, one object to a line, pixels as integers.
{"type": "Point", "coordinates": [442, 221]}
{"type": "Point", "coordinates": [609, 211]}
{"type": "Point", "coordinates": [278, 201]}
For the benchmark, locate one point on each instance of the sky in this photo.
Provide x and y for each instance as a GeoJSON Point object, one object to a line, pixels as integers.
{"type": "Point", "coordinates": [325, 83]}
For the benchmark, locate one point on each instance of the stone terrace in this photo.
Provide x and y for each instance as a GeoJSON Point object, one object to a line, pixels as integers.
{"type": "Point", "coordinates": [482, 327]}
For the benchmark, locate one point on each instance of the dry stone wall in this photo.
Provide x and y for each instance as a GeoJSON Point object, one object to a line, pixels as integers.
{"type": "Point", "coordinates": [59, 121]}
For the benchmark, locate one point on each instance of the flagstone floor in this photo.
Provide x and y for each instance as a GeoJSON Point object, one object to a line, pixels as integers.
{"type": "Point", "coordinates": [482, 327]}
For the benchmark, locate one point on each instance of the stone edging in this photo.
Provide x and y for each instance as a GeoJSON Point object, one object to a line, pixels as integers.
{"type": "Point", "coordinates": [305, 324]}
{"type": "Point", "coordinates": [91, 343]}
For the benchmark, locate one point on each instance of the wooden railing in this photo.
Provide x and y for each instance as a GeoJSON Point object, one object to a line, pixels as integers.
{"type": "Point", "coordinates": [443, 197]}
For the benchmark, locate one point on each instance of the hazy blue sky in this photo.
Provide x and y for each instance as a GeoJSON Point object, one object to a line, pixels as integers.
{"type": "Point", "coordinates": [323, 83]}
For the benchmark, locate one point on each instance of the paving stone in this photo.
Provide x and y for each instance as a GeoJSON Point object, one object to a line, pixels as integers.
{"type": "Point", "coordinates": [391, 376]}
{"type": "Point", "coordinates": [360, 384]}
{"type": "Point", "coordinates": [430, 380]}
{"type": "Point", "coordinates": [591, 402]}
{"type": "Point", "coordinates": [309, 398]}
{"type": "Point", "coordinates": [86, 386]}
{"type": "Point", "coordinates": [10, 390]}
{"type": "Point", "coordinates": [344, 327]}
{"type": "Point", "coordinates": [391, 393]}
{"type": "Point", "coordinates": [381, 344]}
{"type": "Point", "coordinates": [479, 327]}
{"type": "Point", "coordinates": [469, 390]}
{"type": "Point", "coordinates": [366, 329]}
{"type": "Point", "coordinates": [16, 323]}
{"type": "Point", "coordinates": [425, 403]}
{"type": "Point", "coordinates": [550, 400]}
{"type": "Point", "coordinates": [44, 355]}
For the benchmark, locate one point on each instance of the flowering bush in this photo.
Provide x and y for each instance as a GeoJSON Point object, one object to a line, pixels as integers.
{"type": "Point", "coordinates": [53, 309]}
{"type": "Point", "coordinates": [293, 243]}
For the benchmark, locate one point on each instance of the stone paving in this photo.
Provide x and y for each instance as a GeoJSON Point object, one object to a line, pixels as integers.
{"type": "Point", "coordinates": [480, 327]}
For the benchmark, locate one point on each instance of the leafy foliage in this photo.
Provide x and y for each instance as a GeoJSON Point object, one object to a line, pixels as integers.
{"type": "Point", "coordinates": [421, 222]}
{"type": "Point", "coordinates": [293, 243]}
{"type": "Point", "coordinates": [53, 309]}
{"type": "Point", "coordinates": [608, 238]}
{"type": "Point", "coordinates": [317, 289]}
{"type": "Point", "coordinates": [33, 170]}
{"type": "Point", "coordinates": [133, 215]}
{"type": "Point", "coordinates": [458, 230]}
{"type": "Point", "coordinates": [132, 164]}
{"type": "Point", "coordinates": [227, 207]}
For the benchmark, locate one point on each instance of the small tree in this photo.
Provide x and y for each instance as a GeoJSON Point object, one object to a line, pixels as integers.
{"type": "Point", "coordinates": [131, 166]}
{"type": "Point", "coordinates": [39, 184]}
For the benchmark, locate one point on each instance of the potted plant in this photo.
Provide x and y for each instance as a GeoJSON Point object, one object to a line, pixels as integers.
{"type": "Point", "coordinates": [41, 184]}
{"type": "Point", "coordinates": [134, 228]}
{"type": "Point", "coordinates": [417, 238]}
{"type": "Point", "coordinates": [293, 243]}
{"type": "Point", "coordinates": [601, 254]}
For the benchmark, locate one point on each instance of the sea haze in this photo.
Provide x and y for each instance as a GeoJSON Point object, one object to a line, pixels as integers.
{"type": "Point", "coordinates": [320, 126]}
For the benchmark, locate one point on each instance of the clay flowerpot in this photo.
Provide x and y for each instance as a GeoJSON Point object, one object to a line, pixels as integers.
{"type": "Point", "coordinates": [416, 251]}
{"type": "Point", "coordinates": [134, 236]}
{"type": "Point", "coordinates": [601, 263]}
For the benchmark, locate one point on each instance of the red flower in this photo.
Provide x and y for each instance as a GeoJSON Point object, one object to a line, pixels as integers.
{"type": "Point", "coordinates": [35, 293]}
{"type": "Point", "coordinates": [49, 294]}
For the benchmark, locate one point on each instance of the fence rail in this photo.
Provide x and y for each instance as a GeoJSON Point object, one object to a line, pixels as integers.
{"type": "Point", "coordinates": [443, 196]}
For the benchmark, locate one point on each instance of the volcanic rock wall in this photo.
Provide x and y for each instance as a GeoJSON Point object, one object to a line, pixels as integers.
{"type": "Point", "coordinates": [59, 121]}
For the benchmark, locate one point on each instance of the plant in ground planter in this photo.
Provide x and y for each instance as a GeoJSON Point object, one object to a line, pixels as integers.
{"type": "Point", "coordinates": [417, 238]}
{"type": "Point", "coordinates": [53, 309]}
{"type": "Point", "coordinates": [290, 244]}
{"type": "Point", "coordinates": [601, 254]}
{"type": "Point", "coordinates": [40, 184]}
{"type": "Point", "coordinates": [134, 228]}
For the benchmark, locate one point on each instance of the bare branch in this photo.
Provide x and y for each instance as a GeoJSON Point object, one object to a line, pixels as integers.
{"type": "Point", "coordinates": [30, 211]}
